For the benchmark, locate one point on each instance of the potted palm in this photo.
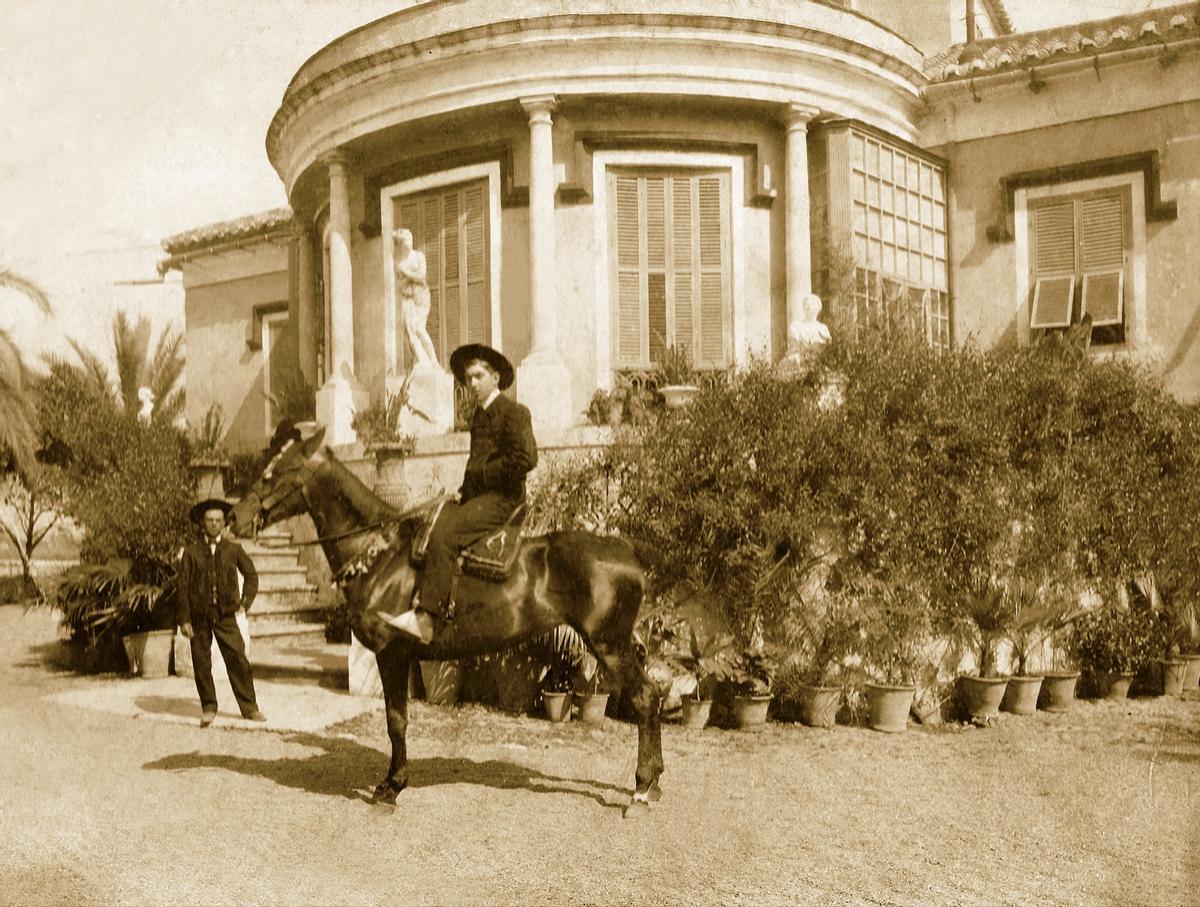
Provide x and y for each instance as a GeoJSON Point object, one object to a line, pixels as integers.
{"type": "Point", "coordinates": [1058, 684]}
{"type": "Point", "coordinates": [678, 376]}
{"type": "Point", "coordinates": [1026, 635]}
{"type": "Point", "coordinates": [825, 644]}
{"type": "Point", "coordinates": [896, 627]}
{"type": "Point", "coordinates": [208, 456]}
{"type": "Point", "coordinates": [752, 676]}
{"type": "Point", "coordinates": [1179, 629]}
{"type": "Point", "coordinates": [981, 625]}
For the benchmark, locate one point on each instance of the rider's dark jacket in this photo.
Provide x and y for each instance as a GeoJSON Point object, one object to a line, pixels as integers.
{"type": "Point", "coordinates": [502, 451]}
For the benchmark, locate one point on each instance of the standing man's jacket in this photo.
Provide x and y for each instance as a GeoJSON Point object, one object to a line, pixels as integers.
{"type": "Point", "coordinates": [204, 577]}
{"type": "Point", "coordinates": [502, 451]}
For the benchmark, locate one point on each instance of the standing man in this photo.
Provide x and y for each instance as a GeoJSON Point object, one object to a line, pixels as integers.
{"type": "Point", "coordinates": [208, 604]}
{"type": "Point", "coordinates": [502, 453]}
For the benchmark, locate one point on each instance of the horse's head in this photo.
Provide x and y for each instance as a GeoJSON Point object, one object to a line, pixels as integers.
{"type": "Point", "coordinates": [281, 490]}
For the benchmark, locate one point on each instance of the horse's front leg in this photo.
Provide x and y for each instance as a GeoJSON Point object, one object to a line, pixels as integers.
{"type": "Point", "coordinates": [394, 664]}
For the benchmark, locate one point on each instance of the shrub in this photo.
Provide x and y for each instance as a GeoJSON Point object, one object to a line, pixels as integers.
{"type": "Point", "coordinates": [1118, 639]}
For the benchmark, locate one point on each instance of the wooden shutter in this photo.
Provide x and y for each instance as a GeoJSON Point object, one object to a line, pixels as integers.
{"type": "Point", "coordinates": [628, 272]}
{"type": "Point", "coordinates": [450, 227]}
{"type": "Point", "coordinates": [1102, 258]}
{"type": "Point", "coordinates": [1053, 265]}
{"type": "Point", "coordinates": [671, 270]}
{"type": "Point", "coordinates": [475, 258]}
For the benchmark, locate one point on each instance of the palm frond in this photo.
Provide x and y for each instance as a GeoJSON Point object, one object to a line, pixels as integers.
{"type": "Point", "coordinates": [131, 343]}
{"type": "Point", "coordinates": [94, 370]}
{"type": "Point", "coordinates": [165, 372]}
{"type": "Point", "coordinates": [28, 289]}
{"type": "Point", "coordinates": [18, 418]}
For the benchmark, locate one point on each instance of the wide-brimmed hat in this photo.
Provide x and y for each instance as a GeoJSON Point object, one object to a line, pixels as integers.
{"type": "Point", "coordinates": [465, 355]}
{"type": "Point", "coordinates": [210, 495]}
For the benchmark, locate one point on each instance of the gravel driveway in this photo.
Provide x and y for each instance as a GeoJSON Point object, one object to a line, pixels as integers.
{"type": "Point", "coordinates": [1097, 806]}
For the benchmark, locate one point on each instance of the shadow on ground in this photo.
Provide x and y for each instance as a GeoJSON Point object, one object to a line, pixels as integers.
{"type": "Point", "coordinates": [346, 768]}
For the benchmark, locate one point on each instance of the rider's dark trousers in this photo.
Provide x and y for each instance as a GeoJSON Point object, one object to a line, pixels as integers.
{"type": "Point", "coordinates": [233, 650]}
{"type": "Point", "coordinates": [458, 526]}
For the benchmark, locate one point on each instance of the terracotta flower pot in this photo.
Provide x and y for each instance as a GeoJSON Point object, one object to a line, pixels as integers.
{"type": "Point", "coordinates": [676, 396]}
{"type": "Point", "coordinates": [558, 706]}
{"type": "Point", "coordinates": [696, 713]}
{"type": "Point", "coordinates": [1113, 685]}
{"type": "Point", "coordinates": [149, 653]}
{"type": "Point", "coordinates": [750, 711]}
{"type": "Point", "coordinates": [982, 695]}
{"type": "Point", "coordinates": [818, 706]}
{"type": "Point", "coordinates": [1191, 675]}
{"type": "Point", "coordinates": [1058, 691]}
{"type": "Point", "coordinates": [888, 706]}
{"type": "Point", "coordinates": [591, 706]}
{"type": "Point", "coordinates": [1021, 695]}
{"type": "Point", "coordinates": [1173, 671]}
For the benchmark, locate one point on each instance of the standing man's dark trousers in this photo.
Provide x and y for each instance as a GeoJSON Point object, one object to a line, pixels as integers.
{"type": "Point", "coordinates": [233, 650]}
{"type": "Point", "coordinates": [458, 526]}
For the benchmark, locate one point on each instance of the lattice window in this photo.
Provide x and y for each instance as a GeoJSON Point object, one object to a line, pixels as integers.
{"type": "Point", "coordinates": [671, 266]}
{"type": "Point", "coordinates": [449, 225]}
{"type": "Point", "coordinates": [899, 239]}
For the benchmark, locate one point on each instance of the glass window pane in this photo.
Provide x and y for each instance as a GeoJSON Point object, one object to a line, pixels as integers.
{"type": "Point", "coordinates": [886, 198]}
{"type": "Point", "coordinates": [873, 192]}
{"type": "Point", "coordinates": [856, 151]}
{"type": "Point", "coordinates": [873, 157]}
{"type": "Point", "coordinates": [889, 259]}
{"type": "Point", "coordinates": [887, 229]}
{"type": "Point", "coordinates": [939, 275]}
{"type": "Point", "coordinates": [860, 218]}
{"type": "Point", "coordinates": [858, 187]}
{"type": "Point", "coordinates": [939, 216]}
{"type": "Point", "coordinates": [873, 222]}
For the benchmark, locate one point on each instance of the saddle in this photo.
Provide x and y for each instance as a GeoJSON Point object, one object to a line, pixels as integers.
{"type": "Point", "coordinates": [491, 558]}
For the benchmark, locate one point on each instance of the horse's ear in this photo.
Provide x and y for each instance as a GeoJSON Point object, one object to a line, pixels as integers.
{"type": "Point", "coordinates": [312, 434]}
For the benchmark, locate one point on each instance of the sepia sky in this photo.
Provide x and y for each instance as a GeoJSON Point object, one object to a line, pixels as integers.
{"type": "Point", "coordinates": [124, 121]}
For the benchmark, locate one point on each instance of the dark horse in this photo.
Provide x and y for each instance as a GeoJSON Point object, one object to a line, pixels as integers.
{"type": "Point", "coordinates": [593, 583]}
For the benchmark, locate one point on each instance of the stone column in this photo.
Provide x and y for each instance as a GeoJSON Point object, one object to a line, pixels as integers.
{"type": "Point", "coordinates": [308, 310]}
{"type": "Point", "coordinates": [341, 394]}
{"type": "Point", "coordinates": [798, 228]}
{"type": "Point", "coordinates": [543, 380]}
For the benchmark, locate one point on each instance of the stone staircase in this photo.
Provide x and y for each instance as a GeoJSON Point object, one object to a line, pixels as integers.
{"type": "Point", "coordinates": [286, 607]}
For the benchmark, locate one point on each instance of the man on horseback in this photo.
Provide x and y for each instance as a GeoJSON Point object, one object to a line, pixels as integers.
{"type": "Point", "coordinates": [503, 452]}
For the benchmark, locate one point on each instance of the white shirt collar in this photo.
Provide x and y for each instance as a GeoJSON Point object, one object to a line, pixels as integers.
{"type": "Point", "coordinates": [491, 397]}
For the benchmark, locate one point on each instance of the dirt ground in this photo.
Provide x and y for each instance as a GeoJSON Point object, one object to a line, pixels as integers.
{"type": "Point", "coordinates": [1100, 805]}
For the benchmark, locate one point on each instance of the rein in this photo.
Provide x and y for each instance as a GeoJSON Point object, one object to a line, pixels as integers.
{"type": "Point", "coordinates": [398, 518]}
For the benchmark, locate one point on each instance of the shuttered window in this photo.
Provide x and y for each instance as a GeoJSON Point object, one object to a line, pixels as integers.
{"type": "Point", "coordinates": [449, 225]}
{"type": "Point", "coordinates": [671, 280]}
{"type": "Point", "coordinates": [279, 361]}
{"type": "Point", "coordinates": [1078, 263]}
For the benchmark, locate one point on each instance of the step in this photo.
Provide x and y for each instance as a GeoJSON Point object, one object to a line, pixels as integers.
{"type": "Point", "coordinates": [276, 628]}
{"type": "Point", "coordinates": [285, 581]}
{"type": "Point", "coordinates": [266, 559]}
{"type": "Point", "coordinates": [303, 658]}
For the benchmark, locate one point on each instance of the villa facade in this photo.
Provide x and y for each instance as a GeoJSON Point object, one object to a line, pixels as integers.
{"type": "Point", "coordinates": [593, 182]}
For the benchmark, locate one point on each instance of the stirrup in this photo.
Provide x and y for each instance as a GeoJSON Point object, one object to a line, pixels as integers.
{"type": "Point", "coordinates": [417, 624]}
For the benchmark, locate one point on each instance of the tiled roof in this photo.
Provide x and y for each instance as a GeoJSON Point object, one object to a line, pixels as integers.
{"type": "Point", "coordinates": [229, 230]}
{"type": "Point", "coordinates": [1150, 27]}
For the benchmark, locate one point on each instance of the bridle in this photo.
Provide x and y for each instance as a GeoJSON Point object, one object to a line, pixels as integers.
{"type": "Point", "coordinates": [296, 483]}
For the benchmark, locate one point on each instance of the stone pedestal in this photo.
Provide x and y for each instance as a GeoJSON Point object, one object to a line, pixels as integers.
{"type": "Point", "coordinates": [337, 401]}
{"type": "Point", "coordinates": [431, 392]}
{"type": "Point", "coordinates": [544, 385]}
{"type": "Point", "coordinates": [183, 652]}
{"type": "Point", "coordinates": [364, 671]}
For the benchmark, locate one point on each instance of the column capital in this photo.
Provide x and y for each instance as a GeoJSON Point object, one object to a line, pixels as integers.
{"type": "Point", "coordinates": [797, 116]}
{"type": "Point", "coordinates": [337, 158]}
{"type": "Point", "coordinates": [539, 107]}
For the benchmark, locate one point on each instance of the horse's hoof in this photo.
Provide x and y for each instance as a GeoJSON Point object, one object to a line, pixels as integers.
{"type": "Point", "coordinates": [385, 794]}
{"type": "Point", "coordinates": [654, 794]}
{"type": "Point", "coordinates": [637, 809]}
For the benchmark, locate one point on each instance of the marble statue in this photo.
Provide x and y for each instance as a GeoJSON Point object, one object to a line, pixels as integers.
{"type": "Point", "coordinates": [805, 335]}
{"type": "Point", "coordinates": [412, 291]}
{"type": "Point", "coordinates": [146, 413]}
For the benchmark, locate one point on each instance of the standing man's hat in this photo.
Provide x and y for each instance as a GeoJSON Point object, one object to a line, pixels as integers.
{"type": "Point", "coordinates": [465, 355]}
{"type": "Point", "coordinates": [210, 495]}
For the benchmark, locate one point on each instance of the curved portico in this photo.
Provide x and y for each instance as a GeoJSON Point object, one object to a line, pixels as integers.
{"type": "Point", "coordinates": [516, 108]}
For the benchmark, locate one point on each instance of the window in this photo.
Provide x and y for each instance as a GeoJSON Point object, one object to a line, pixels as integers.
{"type": "Point", "coordinates": [899, 238]}
{"type": "Point", "coordinates": [670, 266]}
{"type": "Point", "coordinates": [279, 361]}
{"type": "Point", "coordinates": [1078, 251]}
{"type": "Point", "coordinates": [450, 225]}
